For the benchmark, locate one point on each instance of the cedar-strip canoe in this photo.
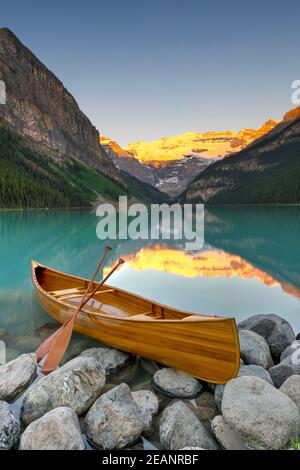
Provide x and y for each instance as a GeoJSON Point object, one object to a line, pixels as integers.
{"type": "Point", "coordinates": [204, 346]}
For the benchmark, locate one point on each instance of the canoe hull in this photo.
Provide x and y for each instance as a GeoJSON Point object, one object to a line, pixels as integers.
{"type": "Point", "coordinates": [203, 347]}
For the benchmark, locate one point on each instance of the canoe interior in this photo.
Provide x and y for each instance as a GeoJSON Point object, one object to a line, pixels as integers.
{"type": "Point", "coordinates": [109, 300]}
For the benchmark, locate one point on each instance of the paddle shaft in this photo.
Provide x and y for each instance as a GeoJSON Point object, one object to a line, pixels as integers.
{"type": "Point", "coordinates": [45, 346]}
{"type": "Point", "coordinates": [61, 341]}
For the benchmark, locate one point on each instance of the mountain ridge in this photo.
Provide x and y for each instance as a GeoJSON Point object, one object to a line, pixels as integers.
{"type": "Point", "coordinates": [180, 161]}
{"type": "Point", "coordinates": [265, 172]}
{"type": "Point", "coordinates": [213, 144]}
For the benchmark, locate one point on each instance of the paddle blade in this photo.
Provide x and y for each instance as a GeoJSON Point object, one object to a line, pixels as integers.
{"type": "Point", "coordinates": [59, 346]}
{"type": "Point", "coordinates": [43, 349]}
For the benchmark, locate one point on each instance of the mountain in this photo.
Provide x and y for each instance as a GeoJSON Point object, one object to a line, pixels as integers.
{"type": "Point", "coordinates": [265, 172]}
{"type": "Point", "coordinates": [29, 179]}
{"type": "Point", "coordinates": [168, 176]}
{"type": "Point", "coordinates": [41, 109]}
{"type": "Point", "coordinates": [205, 145]}
{"type": "Point", "coordinates": [125, 161]}
{"type": "Point", "coordinates": [174, 176]}
{"type": "Point", "coordinates": [50, 155]}
{"type": "Point", "coordinates": [170, 164]}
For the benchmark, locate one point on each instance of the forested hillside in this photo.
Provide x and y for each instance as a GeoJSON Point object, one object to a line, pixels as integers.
{"type": "Point", "coordinates": [29, 180]}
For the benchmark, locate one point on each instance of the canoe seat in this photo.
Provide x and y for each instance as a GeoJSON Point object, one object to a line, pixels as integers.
{"type": "Point", "coordinates": [96, 307]}
{"type": "Point", "coordinates": [140, 316]}
{"type": "Point", "coordinates": [75, 295]}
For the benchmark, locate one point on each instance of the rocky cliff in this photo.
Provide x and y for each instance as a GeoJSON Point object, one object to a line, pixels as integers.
{"type": "Point", "coordinates": [40, 108]}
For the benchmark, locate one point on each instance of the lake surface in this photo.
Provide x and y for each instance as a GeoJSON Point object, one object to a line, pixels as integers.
{"type": "Point", "coordinates": [250, 264]}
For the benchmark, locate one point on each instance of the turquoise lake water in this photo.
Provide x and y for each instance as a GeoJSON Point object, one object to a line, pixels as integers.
{"type": "Point", "coordinates": [250, 264]}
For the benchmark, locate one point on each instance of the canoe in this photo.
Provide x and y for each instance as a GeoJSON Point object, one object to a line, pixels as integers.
{"type": "Point", "coordinates": [204, 346]}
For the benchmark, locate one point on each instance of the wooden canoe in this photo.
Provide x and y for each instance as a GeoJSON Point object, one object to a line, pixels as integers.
{"type": "Point", "coordinates": [204, 346]}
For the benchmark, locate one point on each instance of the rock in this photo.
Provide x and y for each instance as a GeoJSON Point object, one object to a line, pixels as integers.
{"type": "Point", "coordinates": [206, 408]}
{"type": "Point", "coordinates": [16, 375]}
{"type": "Point", "coordinates": [248, 371]}
{"type": "Point", "coordinates": [114, 421]}
{"type": "Point", "coordinates": [176, 384]}
{"type": "Point", "coordinates": [255, 349]}
{"type": "Point", "coordinates": [291, 388]}
{"type": "Point", "coordinates": [77, 384]}
{"type": "Point", "coordinates": [180, 427]}
{"type": "Point", "coordinates": [225, 436]}
{"type": "Point", "coordinates": [192, 448]}
{"type": "Point", "coordinates": [163, 401]}
{"type": "Point", "coordinates": [119, 366]}
{"type": "Point", "coordinates": [291, 349]}
{"type": "Point", "coordinates": [108, 387]}
{"type": "Point", "coordinates": [298, 336]}
{"type": "Point", "coordinates": [9, 427]}
{"type": "Point", "coordinates": [219, 391]}
{"type": "Point", "coordinates": [276, 330]}
{"type": "Point", "coordinates": [256, 371]}
{"type": "Point", "coordinates": [262, 417]}
{"type": "Point", "coordinates": [283, 370]}
{"type": "Point", "coordinates": [76, 348]}
{"type": "Point", "coordinates": [57, 430]}
{"type": "Point", "coordinates": [33, 340]}
{"type": "Point", "coordinates": [149, 366]}
{"type": "Point", "coordinates": [148, 405]}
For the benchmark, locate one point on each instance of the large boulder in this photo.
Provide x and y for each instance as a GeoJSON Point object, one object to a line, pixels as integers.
{"type": "Point", "coordinates": [148, 405]}
{"type": "Point", "coordinates": [176, 384]}
{"type": "Point", "coordinates": [114, 421]}
{"type": "Point", "coordinates": [255, 349]}
{"type": "Point", "coordinates": [9, 427]}
{"type": "Point", "coordinates": [291, 388]}
{"type": "Point", "coordinates": [293, 348]}
{"type": "Point", "coordinates": [261, 416]}
{"type": "Point", "coordinates": [16, 375]}
{"type": "Point", "coordinates": [77, 384]}
{"type": "Point", "coordinates": [245, 370]}
{"type": "Point", "coordinates": [57, 430]}
{"type": "Point", "coordinates": [276, 330]}
{"type": "Point", "coordinates": [119, 366]}
{"type": "Point", "coordinates": [225, 436]}
{"type": "Point", "coordinates": [284, 369]}
{"type": "Point", "coordinates": [180, 427]}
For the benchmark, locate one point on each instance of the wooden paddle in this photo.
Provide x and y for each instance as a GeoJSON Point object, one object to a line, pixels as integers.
{"type": "Point", "coordinates": [43, 349]}
{"type": "Point", "coordinates": [61, 341]}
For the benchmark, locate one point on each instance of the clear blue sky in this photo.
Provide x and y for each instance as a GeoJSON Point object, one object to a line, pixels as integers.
{"type": "Point", "coordinates": [145, 69]}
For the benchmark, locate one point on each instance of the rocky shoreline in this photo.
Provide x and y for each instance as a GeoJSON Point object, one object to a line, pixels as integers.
{"type": "Point", "coordinates": [93, 401]}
